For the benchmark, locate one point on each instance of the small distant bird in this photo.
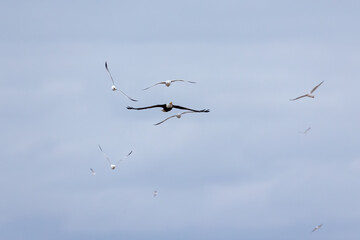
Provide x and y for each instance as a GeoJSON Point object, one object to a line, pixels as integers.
{"type": "Point", "coordinates": [168, 83]}
{"type": "Point", "coordinates": [113, 166]}
{"type": "Point", "coordinates": [306, 131]}
{"type": "Point", "coordinates": [167, 107]}
{"type": "Point", "coordinates": [113, 86]}
{"type": "Point", "coordinates": [93, 173]}
{"type": "Point", "coordinates": [316, 228]}
{"type": "Point", "coordinates": [155, 193]}
{"type": "Point", "coordinates": [308, 94]}
{"type": "Point", "coordinates": [176, 115]}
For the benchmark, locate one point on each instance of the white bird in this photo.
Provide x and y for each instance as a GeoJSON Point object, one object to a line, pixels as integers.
{"type": "Point", "coordinates": [306, 131]}
{"type": "Point", "coordinates": [93, 173]}
{"type": "Point", "coordinates": [316, 228]}
{"type": "Point", "coordinates": [155, 193]}
{"type": "Point", "coordinates": [176, 115]}
{"type": "Point", "coordinates": [168, 83]}
{"type": "Point", "coordinates": [113, 166]}
{"type": "Point", "coordinates": [308, 94]}
{"type": "Point", "coordinates": [113, 86]}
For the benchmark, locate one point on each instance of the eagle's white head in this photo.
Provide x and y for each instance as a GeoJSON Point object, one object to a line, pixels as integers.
{"type": "Point", "coordinates": [169, 105]}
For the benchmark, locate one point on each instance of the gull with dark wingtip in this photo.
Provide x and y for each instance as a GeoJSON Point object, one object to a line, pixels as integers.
{"type": "Point", "coordinates": [306, 131]}
{"type": "Point", "coordinates": [168, 107]}
{"type": "Point", "coordinates": [176, 115]}
{"type": "Point", "coordinates": [113, 166]}
{"type": "Point", "coordinates": [308, 94]}
{"type": "Point", "coordinates": [155, 193]}
{"type": "Point", "coordinates": [168, 83]}
{"type": "Point", "coordinates": [317, 228]}
{"type": "Point", "coordinates": [113, 86]}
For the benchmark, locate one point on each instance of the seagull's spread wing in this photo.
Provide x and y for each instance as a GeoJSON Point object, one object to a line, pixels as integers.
{"type": "Point", "coordinates": [92, 171]}
{"type": "Point", "coordinates": [154, 85]}
{"type": "Point", "coordinates": [134, 100]}
{"type": "Point", "coordinates": [193, 110]}
{"type": "Point", "coordinates": [313, 90]}
{"type": "Point", "coordinates": [164, 120]}
{"type": "Point", "coordinates": [107, 69]}
{"type": "Point", "coordinates": [177, 80]}
{"type": "Point", "coordinates": [307, 130]}
{"type": "Point", "coordinates": [107, 158]}
{"type": "Point", "coordinates": [298, 97]}
{"type": "Point", "coordinates": [142, 108]}
{"type": "Point", "coordinates": [180, 80]}
{"type": "Point", "coordinates": [126, 156]}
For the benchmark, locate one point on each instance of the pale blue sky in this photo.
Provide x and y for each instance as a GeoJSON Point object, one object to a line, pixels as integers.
{"type": "Point", "coordinates": [241, 171]}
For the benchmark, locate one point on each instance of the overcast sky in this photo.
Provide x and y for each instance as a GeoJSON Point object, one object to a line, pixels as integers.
{"type": "Point", "coordinates": [242, 171]}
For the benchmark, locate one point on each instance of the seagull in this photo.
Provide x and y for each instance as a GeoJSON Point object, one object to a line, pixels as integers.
{"type": "Point", "coordinates": [93, 173]}
{"type": "Point", "coordinates": [176, 115]}
{"type": "Point", "coordinates": [305, 132]}
{"type": "Point", "coordinates": [155, 193]}
{"type": "Point", "coordinates": [113, 86]}
{"type": "Point", "coordinates": [308, 94]}
{"type": "Point", "coordinates": [168, 83]}
{"type": "Point", "coordinates": [167, 107]}
{"type": "Point", "coordinates": [316, 228]}
{"type": "Point", "coordinates": [113, 166]}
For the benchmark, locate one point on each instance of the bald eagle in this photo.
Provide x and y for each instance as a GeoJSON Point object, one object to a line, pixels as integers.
{"type": "Point", "coordinates": [168, 107]}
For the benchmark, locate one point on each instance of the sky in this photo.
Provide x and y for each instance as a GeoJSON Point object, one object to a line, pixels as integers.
{"type": "Point", "coordinates": [241, 171]}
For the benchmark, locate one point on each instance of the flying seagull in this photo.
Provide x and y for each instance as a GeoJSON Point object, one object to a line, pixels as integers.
{"type": "Point", "coordinates": [168, 83]}
{"type": "Point", "coordinates": [176, 115]}
{"type": "Point", "coordinates": [155, 193]}
{"type": "Point", "coordinates": [167, 107]}
{"type": "Point", "coordinates": [316, 228]}
{"type": "Point", "coordinates": [113, 166]}
{"type": "Point", "coordinates": [93, 173]}
{"type": "Point", "coordinates": [308, 94]}
{"type": "Point", "coordinates": [113, 86]}
{"type": "Point", "coordinates": [305, 132]}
